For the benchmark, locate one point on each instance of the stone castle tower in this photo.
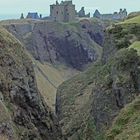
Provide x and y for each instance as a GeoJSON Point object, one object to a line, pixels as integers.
{"type": "Point", "coordinates": [63, 12]}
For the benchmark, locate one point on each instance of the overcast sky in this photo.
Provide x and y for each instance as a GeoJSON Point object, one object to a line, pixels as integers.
{"type": "Point", "coordinates": [15, 7]}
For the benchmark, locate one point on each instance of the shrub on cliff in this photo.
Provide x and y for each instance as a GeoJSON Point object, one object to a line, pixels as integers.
{"type": "Point", "coordinates": [127, 60]}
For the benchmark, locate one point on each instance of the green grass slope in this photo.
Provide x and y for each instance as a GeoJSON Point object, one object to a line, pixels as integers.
{"type": "Point", "coordinates": [88, 103]}
{"type": "Point", "coordinates": [127, 124]}
{"type": "Point", "coordinates": [122, 35]}
{"type": "Point", "coordinates": [133, 14]}
{"type": "Point", "coordinates": [49, 78]}
{"type": "Point", "coordinates": [132, 20]}
{"type": "Point", "coordinates": [93, 91]}
{"type": "Point", "coordinates": [136, 46]}
{"type": "Point", "coordinates": [77, 124]}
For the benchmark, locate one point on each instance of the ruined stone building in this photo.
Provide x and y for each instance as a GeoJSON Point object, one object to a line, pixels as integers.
{"type": "Point", "coordinates": [34, 15]}
{"type": "Point", "coordinates": [63, 12]}
{"type": "Point", "coordinates": [122, 14]}
{"type": "Point", "coordinates": [82, 13]}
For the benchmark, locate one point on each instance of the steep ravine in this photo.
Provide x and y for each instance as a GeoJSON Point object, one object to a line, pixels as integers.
{"type": "Point", "coordinates": [90, 104]}
{"type": "Point", "coordinates": [23, 113]}
{"type": "Point", "coordinates": [58, 50]}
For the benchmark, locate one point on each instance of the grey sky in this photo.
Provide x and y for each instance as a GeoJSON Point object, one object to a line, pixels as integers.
{"type": "Point", "coordinates": [15, 7]}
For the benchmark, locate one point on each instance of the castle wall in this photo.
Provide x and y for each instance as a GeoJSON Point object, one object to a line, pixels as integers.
{"type": "Point", "coordinates": [70, 13]}
{"type": "Point", "coordinates": [57, 13]}
{"type": "Point", "coordinates": [106, 16]}
{"type": "Point", "coordinates": [116, 16]}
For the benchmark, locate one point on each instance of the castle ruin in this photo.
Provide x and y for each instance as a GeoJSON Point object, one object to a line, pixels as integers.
{"type": "Point", "coordinates": [122, 14]}
{"type": "Point", "coordinates": [63, 12]}
{"type": "Point", "coordinates": [33, 15]}
{"type": "Point", "coordinates": [82, 12]}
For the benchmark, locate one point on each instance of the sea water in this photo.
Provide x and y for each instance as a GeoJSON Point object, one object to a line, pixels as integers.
{"type": "Point", "coordinates": [9, 16]}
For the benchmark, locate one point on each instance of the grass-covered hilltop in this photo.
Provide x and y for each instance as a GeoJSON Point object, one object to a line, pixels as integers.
{"type": "Point", "coordinates": [70, 81]}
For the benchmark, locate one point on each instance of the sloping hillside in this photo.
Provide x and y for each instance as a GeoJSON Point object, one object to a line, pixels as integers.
{"type": "Point", "coordinates": [127, 124]}
{"type": "Point", "coordinates": [135, 19]}
{"type": "Point", "coordinates": [133, 14]}
{"type": "Point", "coordinates": [49, 78]}
{"type": "Point", "coordinates": [121, 35]}
{"type": "Point", "coordinates": [136, 46]}
{"type": "Point", "coordinates": [23, 112]}
{"type": "Point", "coordinates": [88, 103]}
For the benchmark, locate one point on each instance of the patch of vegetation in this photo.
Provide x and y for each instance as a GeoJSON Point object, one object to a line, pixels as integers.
{"type": "Point", "coordinates": [126, 60]}
{"type": "Point", "coordinates": [116, 71]}
{"type": "Point", "coordinates": [135, 19]}
{"type": "Point", "coordinates": [133, 14]}
{"type": "Point", "coordinates": [48, 79]}
{"type": "Point", "coordinates": [4, 114]}
{"type": "Point", "coordinates": [136, 46]}
{"type": "Point", "coordinates": [119, 72]}
{"type": "Point", "coordinates": [127, 125]}
{"type": "Point", "coordinates": [89, 131]}
{"type": "Point", "coordinates": [124, 34]}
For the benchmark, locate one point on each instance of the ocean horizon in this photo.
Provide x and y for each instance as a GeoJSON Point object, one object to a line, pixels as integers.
{"type": "Point", "coordinates": [9, 16]}
{"type": "Point", "coordinates": [14, 16]}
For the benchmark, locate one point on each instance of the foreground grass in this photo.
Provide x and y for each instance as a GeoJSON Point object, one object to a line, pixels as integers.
{"type": "Point", "coordinates": [136, 46]}
{"type": "Point", "coordinates": [127, 124]}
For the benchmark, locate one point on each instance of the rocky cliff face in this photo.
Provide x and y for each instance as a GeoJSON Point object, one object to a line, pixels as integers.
{"type": "Point", "coordinates": [23, 113]}
{"type": "Point", "coordinates": [74, 44]}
